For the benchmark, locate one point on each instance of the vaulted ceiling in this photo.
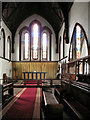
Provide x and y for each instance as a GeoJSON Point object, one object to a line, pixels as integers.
{"type": "Point", "coordinates": [13, 13]}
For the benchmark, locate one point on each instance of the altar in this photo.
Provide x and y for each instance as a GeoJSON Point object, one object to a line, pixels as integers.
{"type": "Point", "coordinates": [34, 75]}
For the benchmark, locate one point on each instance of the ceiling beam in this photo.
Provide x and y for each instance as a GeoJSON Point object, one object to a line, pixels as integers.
{"type": "Point", "coordinates": [55, 11]}
{"type": "Point", "coordinates": [15, 8]}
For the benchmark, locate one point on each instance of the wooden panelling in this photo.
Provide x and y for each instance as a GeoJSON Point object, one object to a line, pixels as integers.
{"type": "Point", "coordinates": [49, 67]}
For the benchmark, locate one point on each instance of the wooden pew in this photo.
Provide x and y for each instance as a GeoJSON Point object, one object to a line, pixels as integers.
{"type": "Point", "coordinates": [76, 98]}
{"type": "Point", "coordinates": [52, 109]}
{"type": "Point", "coordinates": [64, 89]}
{"type": "Point", "coordinates": [7, 97]}
{"type": "Point", "coordinates": [84, 78]}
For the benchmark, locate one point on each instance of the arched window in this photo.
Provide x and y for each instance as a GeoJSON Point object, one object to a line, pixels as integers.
{"type": "Point", "coordinates": [9, 48]}
{"type": "Point", "coordinates": [2, 43]}
{"type": "Point", "coordinates": [44, 46]}
{"type": "Point", "coordinates": [26, 46]}
{"type": "Point", "coordinates": [78, 43]}
{"type": "Point", "coordinates": [35, 42]}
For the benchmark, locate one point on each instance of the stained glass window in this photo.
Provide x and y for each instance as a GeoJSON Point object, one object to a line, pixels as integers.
{"type": "Point", "coordinates": [78, 45]}
{"type": "Point", "coordinates": [44, 42]}
{"type": "Point", "coordinates": [78, 41]}
{"type": "Point", "coordinates": [26, 46]}
{"type": "Point", "coordinates": [35, 41]}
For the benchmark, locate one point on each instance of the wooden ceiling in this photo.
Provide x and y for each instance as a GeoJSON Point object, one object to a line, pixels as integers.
{"type": "Point", "coordinates": [13, 13]}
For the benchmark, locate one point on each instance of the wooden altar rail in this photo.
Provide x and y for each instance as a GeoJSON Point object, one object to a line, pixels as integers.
{"type": "Point", "coordinates": [36, 86]}
{"type": "Point", "coordinates": [47, 83]}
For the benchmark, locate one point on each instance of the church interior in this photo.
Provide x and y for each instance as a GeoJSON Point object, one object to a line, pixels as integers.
{"type": "Point", "coordinates": [45, 60]}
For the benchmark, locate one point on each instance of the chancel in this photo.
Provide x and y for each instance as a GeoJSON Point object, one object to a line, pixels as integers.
{"type": "Point", "coordinates": [45, 61]}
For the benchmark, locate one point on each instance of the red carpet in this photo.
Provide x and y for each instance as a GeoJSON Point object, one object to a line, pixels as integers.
{"type": "Point", "coordinates": [33, 81]}
{"type": "Point", "coordinates": [23, 108]}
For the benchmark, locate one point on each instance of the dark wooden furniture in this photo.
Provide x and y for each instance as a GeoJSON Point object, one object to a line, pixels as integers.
{"type": "Point", "coordinates": [84, 78]}
{"type": "Point", "coordinates": [76, 98]}
{"type": "Point", "coordinates": [52, 109]}
{"type": "Point", "coordinates": [74, 91]}
{"type": "Point", "coordinates": [7, 96]}
{"type": "Point", "coordinates": [36, 76]}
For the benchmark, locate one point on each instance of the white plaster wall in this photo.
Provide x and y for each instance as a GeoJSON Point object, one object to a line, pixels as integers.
{"type": "Point", "coordinates": [7, 33]}
{"type": "Point", "coordinates": [0, 68]}
{"type": "Point", "coordinates": [61, 34]}
{"type": "Point", "coordinates": [84, 49]}
{"type": "Point", "coordinates": [54, 55]}
{"type": "Point", "coordinates": [27, 23]}
{"type": "Point", "coordinates": [5, 66]}
{"type": "Point", "coordinates": [78, 14]}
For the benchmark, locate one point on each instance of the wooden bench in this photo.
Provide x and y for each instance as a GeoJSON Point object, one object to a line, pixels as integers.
{"type": "Point", "coordinates": [9, 95]}
{"type": "Point", "coordinates": [62, 91]}
{"type": "Point", "coordinates": [84, 78]}
{"type": "Point", "coordinates": [76, 98]}
{"type": "Point", "coordinates": [78, 110]}
{"type": "Point", "coordinates": [53, 110]}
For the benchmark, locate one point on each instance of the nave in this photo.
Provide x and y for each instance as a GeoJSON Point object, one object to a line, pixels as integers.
{"type": "Point", "coordinates": [45, 60]}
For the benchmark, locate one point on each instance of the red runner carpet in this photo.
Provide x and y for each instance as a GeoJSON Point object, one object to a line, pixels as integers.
{"type": "Point", "coordinates": [23, 108]}
{"type": "Point", "coordinates": [33, 82]}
